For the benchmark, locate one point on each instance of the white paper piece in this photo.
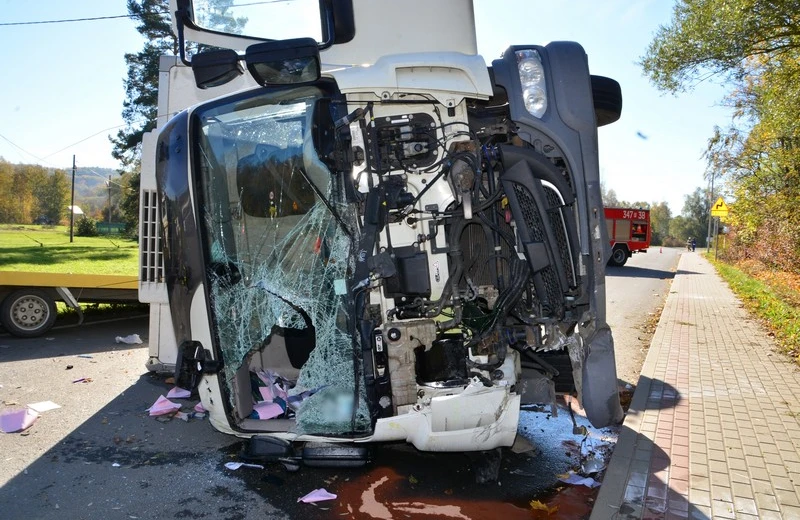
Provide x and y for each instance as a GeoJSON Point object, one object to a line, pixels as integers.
{"type": "Point", "coordinates": [133, 339]}
{"type": "Point", "coordinates": [577, 480]}
{"type": "Point", "coordinates": [178, 393]}
{"type": "Point", "coordinates": [163, 406]}
{"type": "Point", "coordinates": [17, 420]}
{"type": "Point", "coordinates": [43, 406]}
{"type": "Point", "coordinates": [236, 465]}
{"type": "Point", "coordinates": [318, 495]}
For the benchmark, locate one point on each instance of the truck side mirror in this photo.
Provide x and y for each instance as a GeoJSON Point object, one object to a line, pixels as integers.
{"type": "Point", "coordinates": [214, 68]}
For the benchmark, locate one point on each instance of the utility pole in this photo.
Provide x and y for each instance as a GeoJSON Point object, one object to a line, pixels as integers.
{"type": "Point", "coordinates": [108, 232]}
{"type": "Point", "coordinates": [72, 202]}
{"type": "Point", "coordinates": [708, 216]}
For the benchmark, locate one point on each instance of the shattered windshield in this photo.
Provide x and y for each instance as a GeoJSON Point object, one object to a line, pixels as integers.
{"type": "Point", "coordinates": [277, 257]}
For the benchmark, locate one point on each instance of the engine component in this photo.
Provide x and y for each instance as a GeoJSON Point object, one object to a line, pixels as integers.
{"type": "Point", "coordinates": [400, 339]}
{"type": "Point", "coordinates": [444, 362]}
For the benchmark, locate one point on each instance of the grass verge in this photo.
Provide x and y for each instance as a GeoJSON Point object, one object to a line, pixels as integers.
{"type": "Point", "coordinates": [769, 296]}
{"type": "Point", "coordinates": [48, 249]}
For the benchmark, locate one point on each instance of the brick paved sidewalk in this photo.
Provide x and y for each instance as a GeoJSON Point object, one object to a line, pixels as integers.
{"type": "Point", "coordinates": [713, 430]}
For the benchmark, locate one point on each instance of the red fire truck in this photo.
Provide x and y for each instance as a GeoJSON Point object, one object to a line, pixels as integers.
{"type": "Point", "coordinates": [628, 231]}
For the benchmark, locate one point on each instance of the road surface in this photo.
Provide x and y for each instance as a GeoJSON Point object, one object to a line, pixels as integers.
{"type": "Point", "coordinates": [101, 456]}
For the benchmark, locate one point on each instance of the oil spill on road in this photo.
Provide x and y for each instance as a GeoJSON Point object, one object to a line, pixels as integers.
{"type": "Point", "coordinates": [402, 482]}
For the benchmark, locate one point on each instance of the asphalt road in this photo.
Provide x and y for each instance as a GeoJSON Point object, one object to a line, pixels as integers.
{"type": "Point", "coordinates": [101, 456]}
{"type": "Point", "coordinates": [635, 294]}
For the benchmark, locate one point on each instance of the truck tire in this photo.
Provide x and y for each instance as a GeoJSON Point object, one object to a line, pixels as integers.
{"type": "Point", "coordinates": [28, 313]}
{"type": "Point", "coordinates": [607, 99]}
{"type": "Point", "coordinates": [619, 255]}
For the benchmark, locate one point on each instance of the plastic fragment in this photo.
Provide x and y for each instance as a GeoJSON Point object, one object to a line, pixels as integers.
{"type": "Point", "coordinates": [178, 393]}
{"type": "Point", "coordinates": [163, 406]}
{"type": "Point", "coordinates": [12, 421]}
{"type": "Point", "coordinates": [236, 465]}
{"type": "Point", "coordinates": [318, 495]}
{"type": "Point", "coordinates": [578, 480]}
{"type": "Point", "coordinates": [132, 339]}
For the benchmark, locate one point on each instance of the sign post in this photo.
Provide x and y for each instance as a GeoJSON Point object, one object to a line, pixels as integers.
{"type": "Point", "coordinates": [718, 210]}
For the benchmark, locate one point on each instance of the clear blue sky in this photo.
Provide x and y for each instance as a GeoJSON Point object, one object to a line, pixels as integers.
{"type": "Point", "coordinates": [63, 83]}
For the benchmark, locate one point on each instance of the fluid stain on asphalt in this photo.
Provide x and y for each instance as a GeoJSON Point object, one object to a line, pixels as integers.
{"type": "Point", "coordinates": [402, 482]}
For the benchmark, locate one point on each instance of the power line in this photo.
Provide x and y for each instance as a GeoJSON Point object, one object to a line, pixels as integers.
{"type": "Point", "coordinates": [70, 20]}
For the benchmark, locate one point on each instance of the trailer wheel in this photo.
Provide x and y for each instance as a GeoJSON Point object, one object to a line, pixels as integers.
{"type": "Point", "coordinates": [28, 313]}
{"type": "Point", "coordinates": [618, 256]}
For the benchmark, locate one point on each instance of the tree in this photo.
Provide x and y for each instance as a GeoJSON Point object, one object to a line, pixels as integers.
{"type": "Point", "coordinates": [129, 201]}
{"type": "Point", "coordinates": [755, 46]}
{"type": "Point", "coordinates": [609, 196]}
{"type": "Point", "coordinates": [52, 196]}
{"type": "Point", "coordinates": [694, 217]}
{"type": "Point", "coordinates": [716, 37]}
{"type": "Point", "coordinates": [660, 216]}
{"type": "Point", "coordinates": [140, 107]}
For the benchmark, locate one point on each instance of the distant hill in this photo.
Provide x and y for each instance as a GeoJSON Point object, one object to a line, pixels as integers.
{"type": "Point", "coordinates": [91, 191]}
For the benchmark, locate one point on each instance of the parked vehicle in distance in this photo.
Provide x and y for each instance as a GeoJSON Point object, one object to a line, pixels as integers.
{"type": "Point", "coordinates": [628, 233]}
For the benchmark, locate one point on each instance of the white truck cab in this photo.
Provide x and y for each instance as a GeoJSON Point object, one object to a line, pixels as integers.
{"type": "Point", "coordinates": [368, 234]}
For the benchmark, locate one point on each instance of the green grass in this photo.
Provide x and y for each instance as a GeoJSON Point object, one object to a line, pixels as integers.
{"type": "Point", "coordinates": [48, 249]}
{"type": "Point", "coordinates": [771, 304]}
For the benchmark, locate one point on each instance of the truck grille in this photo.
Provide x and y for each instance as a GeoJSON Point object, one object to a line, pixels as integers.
{"type": "Point", "coordinates": [151, 258]}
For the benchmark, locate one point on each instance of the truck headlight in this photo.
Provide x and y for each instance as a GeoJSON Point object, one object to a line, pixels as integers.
{"type": "Point", "coordinates": [531, 77]}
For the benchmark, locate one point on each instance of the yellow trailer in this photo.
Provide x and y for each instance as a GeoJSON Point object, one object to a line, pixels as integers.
{"type": "Point", "coordinates": [28, 299]}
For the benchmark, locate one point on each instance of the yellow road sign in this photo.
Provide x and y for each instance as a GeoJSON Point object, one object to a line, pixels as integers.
{"type": "Point", "coordinates": [719, 209]}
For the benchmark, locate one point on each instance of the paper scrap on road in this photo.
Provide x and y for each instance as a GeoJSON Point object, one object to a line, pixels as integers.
{"type": "Point", "coordinates": [318, 495]}
{"type": "Point", "coordinates": [12, 421]}
{"type": "Point", "coordinates": [578, 480]}
{"type": "Point", "coordinates": [163, 406]}
{"type": "Point", "coordinates": [43, 406]}
{"type": "Point", "coordinates": [133, 339]}
{"type": "Point", "coordinates": [199, 408]}
{"type": "Point", "coordinates": [236, 465]}
{"type": "Point", "coordinates": [178, 393]}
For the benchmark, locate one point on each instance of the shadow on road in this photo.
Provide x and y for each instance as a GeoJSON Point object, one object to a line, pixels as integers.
{"type": "Point", "coordinates": [638, 272]}
{"type": "Point", "coordinates": [72, 341]}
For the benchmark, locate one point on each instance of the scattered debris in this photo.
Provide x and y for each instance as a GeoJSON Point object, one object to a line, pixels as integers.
{"type": "Point", "coordinates": [178, 393]}
{"type": "Point", "coordinates": [85, 356]}
{"type": "Point", "coordinates": [115, 465]}
{"type": "Point", "coordinates": [12, 421]}
{"type": "Point", "coordinates": [69, 367]}
{"type": "Point", "coordinates": [133, 339]}
{"type": "Point", "coordinates": [163, 406]}
{"type": "Point", "coordinates": [578, 480]}
{"type": "Point", "coordinates": [43, 406]}
{"type": "Point", "coordinates": [539, 506]}
{"type": "Point", "coordinates": [83, 380]}
{"type": "Point", "coordinates": [200, 408]}
{"type": "Point", "coordinates": [318, 495]}
{"type": "Point", "coordinates": [233, 466]}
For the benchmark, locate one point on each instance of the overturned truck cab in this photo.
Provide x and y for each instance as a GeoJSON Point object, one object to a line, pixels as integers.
{"type": "Point", "coordinates": [405, 251]}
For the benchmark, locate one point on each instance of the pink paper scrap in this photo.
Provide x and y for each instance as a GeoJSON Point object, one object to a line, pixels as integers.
{"type": "Point", "coordinates": [163, 406]}
{"type": "Point", "coordinates": [178, 393]}
{"type": "Point", "coordinates": [267, 410]}
{"type": "Point", "coordinates": [199, 408]}
{"type": "Point", "coordinates": [12, 421]}
{"type": "Point", "coordinates": [318, 495]}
